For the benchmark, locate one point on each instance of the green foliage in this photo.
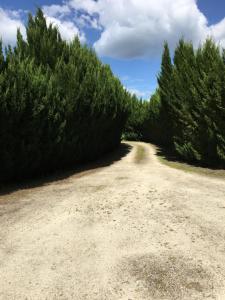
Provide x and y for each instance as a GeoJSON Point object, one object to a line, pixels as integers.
{"type": "Point", "coordinates": [187, 112]}
{"type": "Point", "coordinates": [193, 102]}
{"type": "Point", "coordinates": [143, 121]}
{"type": "Point", "coordinates": [165, 93]}
{"type": "Point", "coordinates": [134, 129]}
{"type": "Point", "coordinates": [59, 105]}
{"type": "Point", "coordinates": [153, 130]}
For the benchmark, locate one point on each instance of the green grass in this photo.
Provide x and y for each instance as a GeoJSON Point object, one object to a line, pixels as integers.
{"type": "Point", "coordinates": [190, 168]}
{"type": "Point", "coordinates": [140, 154]}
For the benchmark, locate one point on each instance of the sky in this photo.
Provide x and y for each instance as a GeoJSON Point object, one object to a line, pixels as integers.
{"type": "Point", "coordinates": [126, 34]}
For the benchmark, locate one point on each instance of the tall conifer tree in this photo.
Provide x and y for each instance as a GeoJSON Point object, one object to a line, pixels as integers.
{"type": "Point", "coordinates": [165, 92]}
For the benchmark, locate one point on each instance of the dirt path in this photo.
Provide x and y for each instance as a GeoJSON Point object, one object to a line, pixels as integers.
{"type": "Point", "coordinates": [134, 230]}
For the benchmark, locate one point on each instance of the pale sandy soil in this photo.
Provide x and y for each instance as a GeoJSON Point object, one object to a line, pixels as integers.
{"type": "Point", "coordinates": [136, 230]}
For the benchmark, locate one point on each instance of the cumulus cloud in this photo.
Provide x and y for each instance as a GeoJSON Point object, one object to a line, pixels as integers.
{"type": "Point", "coordinates": [218, 32]}
{"type": "Point", "coordinates": [67, 29]}
{"type": "Point", "coordinates": [129, 28]}
{"type": "Point", "coordinates": [65, 20]}
{"type": "Point", "coordinates": [89, 6]}
{"type": "Point", "coordinates": [56, 10]}
{"type": "Point", "coordinates": [88, 21]}
{"type": "Point", "coordinates": [60, 16]}
{"type": "Point", "coordinates": [10, 21]}
{"type": "Point", "coordinates": [138, 28]}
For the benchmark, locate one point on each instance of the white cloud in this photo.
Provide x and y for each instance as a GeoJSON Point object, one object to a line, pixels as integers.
{"type": "Point", "coordinates": [10, 21]}
{"type": "Point", "coordinates": [138, 28]}
{"type": "Point", "coordinates": [67, 29]}
{"type": "Point", "coordinates": [66, 12]}
{"type": "Point", "coordinates": [88, 21]}
{"type": "Point", "coordinates": [56, 10]}
{"type": "Point", "coordinates": [129, 28]}
{"type": "Point", "coordinates": [89, 6]}
{"type": "Point", "coordinates": [218, 32]}
{"type": "Point", "coordinates": [140, 93]}
{"type": "Point", "coordinates": [62, 17]}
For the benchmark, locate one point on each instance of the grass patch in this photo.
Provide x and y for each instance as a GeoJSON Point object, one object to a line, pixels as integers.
{"type": "Point", "coordinates": [173, 162]}
{"type": "Point", "coordinates": [140, 154]}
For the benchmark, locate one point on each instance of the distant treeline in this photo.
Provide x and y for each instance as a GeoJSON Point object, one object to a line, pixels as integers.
{"type": "Point", "coordinates": [187, 112]}
{"type": "Point", "coordinates": [59, 105]}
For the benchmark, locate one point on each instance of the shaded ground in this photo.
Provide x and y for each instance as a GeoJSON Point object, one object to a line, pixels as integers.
{"type": "Point", "coordinates": [79, 171]}
{"type": "Point", "coordinates": [132, 229]}
{"type": "Point", "coordinates": [173, 161]}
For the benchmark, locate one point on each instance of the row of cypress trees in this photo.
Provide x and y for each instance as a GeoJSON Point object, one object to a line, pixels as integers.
{"type": "Point", "coordinates": [143, 123]}
{"type": "Point", "coordinates": [186, 115]}
{"type": "Point", "coordinates": [136, 122]}
{"type": "Point", "coordinates": [192, 108]}
{"type": "Point", "coordinates": [59, 105]}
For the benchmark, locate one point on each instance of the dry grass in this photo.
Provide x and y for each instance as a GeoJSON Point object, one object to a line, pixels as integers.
{"type": "Point", "coordinates": [193, 169]}
{"type": "Point", "coordinates": [140, 155]}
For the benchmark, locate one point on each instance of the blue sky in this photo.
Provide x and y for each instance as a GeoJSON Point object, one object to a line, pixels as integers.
{"type": "Point", "coordinates": [127, 34]}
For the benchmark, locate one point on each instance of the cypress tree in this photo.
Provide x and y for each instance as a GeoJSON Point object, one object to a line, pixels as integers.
{"type": "Point", "coordinates": [221, 117]}
{"type": "Point", "coordinates": [2, 60]}
{"type": "Point", "coordinates": [152, 128]}
{"type": "Point", "coordinates": [210, 121]}
{"type": "Point", "coordinates": [184, 104]}
{"type": "Point", "coordinates": [59, 105]}
{"type": "Point", "coordinates": [193, 100]}
{"type": "Point", "coordinates": [165, 92]}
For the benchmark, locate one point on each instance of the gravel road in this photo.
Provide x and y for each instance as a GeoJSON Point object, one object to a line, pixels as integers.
{"type": "Point", "coordinates": [133, 230]}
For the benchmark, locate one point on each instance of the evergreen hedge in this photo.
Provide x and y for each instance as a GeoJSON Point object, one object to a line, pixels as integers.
{"type": "Point", "coordinates": [192, 93]}
{"type": "Point", "coordinates": [187, 113]}
{"type": "Point", "coordinates": [59, 105]}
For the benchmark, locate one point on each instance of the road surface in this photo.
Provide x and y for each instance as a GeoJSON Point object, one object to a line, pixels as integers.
{"type": "Point", "coordinates": [133, 230]}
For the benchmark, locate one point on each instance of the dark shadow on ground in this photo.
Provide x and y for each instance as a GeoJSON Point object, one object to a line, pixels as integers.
{"type": "Point", "coordinates": [170, 159]}
{"type": "Point", "coordinates": [170, 156]}
{"type": "Point", "coordinates": [77, 171]}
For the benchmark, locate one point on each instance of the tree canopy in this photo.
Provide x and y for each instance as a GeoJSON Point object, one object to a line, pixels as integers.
{"type": "Point", "coordinates": [59, 105]}
{"type": "Point", "coordinates": [187, 113]}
